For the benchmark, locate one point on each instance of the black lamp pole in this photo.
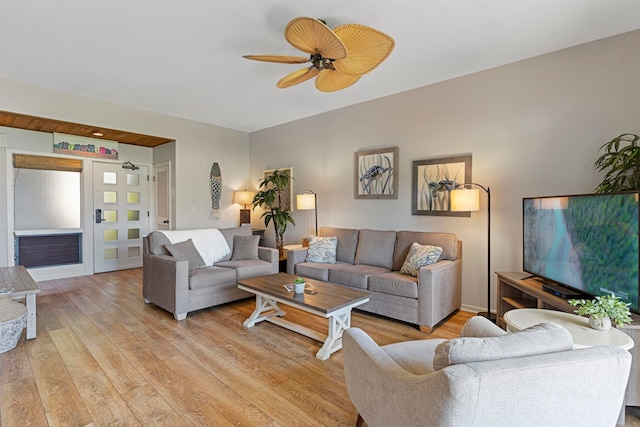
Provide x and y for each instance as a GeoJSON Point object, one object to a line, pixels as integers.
{"type": "Point", "coordinates": [487, 313]}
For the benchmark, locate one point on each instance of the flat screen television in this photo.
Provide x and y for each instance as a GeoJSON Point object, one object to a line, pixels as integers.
{"type": "Point", "coordinates": [587, 243]}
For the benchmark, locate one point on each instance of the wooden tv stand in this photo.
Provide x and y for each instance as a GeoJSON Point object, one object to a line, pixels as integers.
{"type": "Point", "coordinates": [519, 290]}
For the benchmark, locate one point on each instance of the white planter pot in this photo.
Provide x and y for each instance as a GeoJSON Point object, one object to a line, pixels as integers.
{"type": "Point", "coordinates": [600, 324]}
{"type": "Point", "coordinates": [298, 288]}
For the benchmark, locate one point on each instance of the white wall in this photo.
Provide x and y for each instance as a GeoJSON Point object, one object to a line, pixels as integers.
{"type": "Point", "coordinates": [533, 128]}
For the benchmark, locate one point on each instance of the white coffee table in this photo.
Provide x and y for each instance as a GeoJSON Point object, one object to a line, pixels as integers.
{"type": "Point", "coordinates": [583, 334]}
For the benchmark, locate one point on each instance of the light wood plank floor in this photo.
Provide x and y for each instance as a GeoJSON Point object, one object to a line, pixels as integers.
{"type": "Point", "coordinates": [104, 358]}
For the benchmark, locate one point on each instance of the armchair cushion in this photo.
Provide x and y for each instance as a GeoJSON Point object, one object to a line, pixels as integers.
{"type": "Point", "coordinates": [186, 250]}
{"type": "Point", "coordinates": [538, 339]}
{"type": "Point", "coordinates": [245, 248]}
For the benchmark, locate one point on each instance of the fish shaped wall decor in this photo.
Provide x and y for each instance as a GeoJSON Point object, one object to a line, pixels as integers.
{"type": "Point", "coordinates": [215, 187]}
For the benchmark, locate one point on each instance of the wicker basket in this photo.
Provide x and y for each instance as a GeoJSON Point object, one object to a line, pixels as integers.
{"type": "Point", "coordinates": [13, 319]}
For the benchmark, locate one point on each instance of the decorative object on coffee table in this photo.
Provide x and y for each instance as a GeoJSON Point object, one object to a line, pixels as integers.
{"type": "Point", "coordinates": [298, 285]}
{"type": "Point", "coordinates": [468, 199]}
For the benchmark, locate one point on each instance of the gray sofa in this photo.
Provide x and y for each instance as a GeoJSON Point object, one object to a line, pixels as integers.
{"type": "Point", "coordinates": [529, 378]}
{"type": "Point", "coordinates": [168, 282]}
{"type": "Point", "coordinates": [372, 259]}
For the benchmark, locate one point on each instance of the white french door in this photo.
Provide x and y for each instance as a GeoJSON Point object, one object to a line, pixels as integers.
{"type": "Point", "coordinates": [121, 209]}
{"type": "Point", "coordinates": [162, 180]}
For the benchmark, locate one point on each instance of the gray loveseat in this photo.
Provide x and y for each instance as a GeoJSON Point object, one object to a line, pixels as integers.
{"type": "Point", "coordinates": [372, 259]}
{"type": "Point", "coordinates": [168, 282]}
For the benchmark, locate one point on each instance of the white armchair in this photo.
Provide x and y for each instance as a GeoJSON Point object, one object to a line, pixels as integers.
{"type": "Point", "coordinates": [485, 378]}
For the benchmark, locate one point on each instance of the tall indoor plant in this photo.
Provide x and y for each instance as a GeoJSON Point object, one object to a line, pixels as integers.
{"type": "Point", "coordinates": [270, 199]}
{"type": "Point", "coordinates": [621, 164]}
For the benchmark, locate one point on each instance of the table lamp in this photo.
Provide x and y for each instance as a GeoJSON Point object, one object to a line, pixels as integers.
{"type": "Point", "coordinates": [244, 198]}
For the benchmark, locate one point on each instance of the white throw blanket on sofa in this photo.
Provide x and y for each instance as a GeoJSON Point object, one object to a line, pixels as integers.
{"type": "Point", "coordinates": [209, 242]}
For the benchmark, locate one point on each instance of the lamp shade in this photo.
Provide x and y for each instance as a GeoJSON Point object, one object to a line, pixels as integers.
{"type": "Point", "coordinates": [243, 197]}
{"type": "Point", "coordinates": [465, 199]}
{"type": "Point", "coordinates": [306, 201]}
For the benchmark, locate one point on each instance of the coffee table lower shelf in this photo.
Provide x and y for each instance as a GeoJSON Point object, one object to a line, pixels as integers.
{"type": "Point", "coordinates": [339, 319]}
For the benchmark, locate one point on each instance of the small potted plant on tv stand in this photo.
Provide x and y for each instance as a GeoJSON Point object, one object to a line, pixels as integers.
{"type": "Point", "coordinates": [603, 310]}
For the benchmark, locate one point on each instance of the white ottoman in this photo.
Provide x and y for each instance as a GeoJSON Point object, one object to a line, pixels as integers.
{"type": "Point", "coordinates": [13, 319]}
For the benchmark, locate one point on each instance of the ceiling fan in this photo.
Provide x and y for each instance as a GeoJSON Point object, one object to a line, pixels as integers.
{"type": "Point", "coordinates": [338, 57]}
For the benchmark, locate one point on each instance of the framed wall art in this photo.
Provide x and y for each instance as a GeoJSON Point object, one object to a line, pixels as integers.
{"type": "Point", "coordinates": [376, 174]}
{"type": "Point", "coordinates": [287, 193]}
{"type": "Point", "coordinates": [432, 182]}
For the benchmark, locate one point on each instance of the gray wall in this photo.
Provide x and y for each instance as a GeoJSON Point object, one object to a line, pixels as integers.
{"type": "Point", "coordinates": [533, 128]}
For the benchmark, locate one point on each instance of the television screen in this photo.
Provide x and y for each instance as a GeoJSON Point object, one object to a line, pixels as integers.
{"type": "Point", "coordinates": [586, 242]}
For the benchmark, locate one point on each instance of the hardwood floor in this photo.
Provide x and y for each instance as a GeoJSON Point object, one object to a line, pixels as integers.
{"type": "Point", "coordinates": [104, 358]}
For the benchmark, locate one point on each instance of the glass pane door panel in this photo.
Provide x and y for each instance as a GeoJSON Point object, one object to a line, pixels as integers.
{"type": "Point", "coordinates": [133, 215]}
{"type": "Point", "coordinates": [110, 254]}
{"type": "Point", "coordinates": [133, 251]}
{"type": "Point", "coordinates": [133, 179]}
{"type": "Point", "coordinates": [133, 233]}
{"type": "Point", "coordinates": [110, 235]}
{"type": "Point", "coordinates": [133, 197]}
{"type": "Point", "coordinates": [110, 178]}
{"type": "Point", "coordinates": [110, 197]}
{"type": "Point", "coordinates": [109, 216]}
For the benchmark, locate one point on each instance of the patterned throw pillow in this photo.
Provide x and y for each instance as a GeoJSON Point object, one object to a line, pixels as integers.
{"type": "Point", "coordinates": [322, 249]}
{"type": "Point", "coordinates": [419, 256]}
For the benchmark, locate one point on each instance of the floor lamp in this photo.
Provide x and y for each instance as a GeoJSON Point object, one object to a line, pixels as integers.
{"type": "Point", "coordinates": [468, 199]}
{"type": "Point", "coordinates": [307, 201]}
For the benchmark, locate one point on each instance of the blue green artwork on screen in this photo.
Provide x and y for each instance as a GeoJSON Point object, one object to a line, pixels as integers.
{"type": "Point", "coordinates": [587, 242]}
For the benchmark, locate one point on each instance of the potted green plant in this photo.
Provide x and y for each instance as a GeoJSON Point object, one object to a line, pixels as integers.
{"type": "Point", "coordinates": [603, 310]}
{"type": "Point", "coordinates": [298, 284]}
{"type": "Point", "coordinates": [621, 164]}
{"type": "Point", "coordinates": [270, 199]}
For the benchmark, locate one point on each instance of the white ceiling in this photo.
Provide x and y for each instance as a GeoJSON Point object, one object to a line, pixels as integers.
{"type": "Point", "coordinates": [184, 58]}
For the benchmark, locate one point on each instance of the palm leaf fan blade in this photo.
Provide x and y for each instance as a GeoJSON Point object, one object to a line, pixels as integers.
{"type": "Point", "coordinates": [332, 80]}
{"type": "Point", "coordinates": [296, 77]}
{"type": "Point", "coordinates": [367, 48]}
{"type": "Point", "coordinates": [312, 36]}
{"type": "Point", "coordinates": [282, 59]}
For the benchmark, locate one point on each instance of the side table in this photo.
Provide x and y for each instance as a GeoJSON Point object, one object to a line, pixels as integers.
{"type": "Point", "coordinates": [578, 326]}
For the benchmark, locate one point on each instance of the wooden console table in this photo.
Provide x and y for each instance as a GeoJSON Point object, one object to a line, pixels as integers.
{"type": "Point", "coordinates": [520, 290]}
{"type": "Point", "coordinates": [20, 281]}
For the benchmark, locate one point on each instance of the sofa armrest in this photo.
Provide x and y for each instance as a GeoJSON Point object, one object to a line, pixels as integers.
{"type": "Point", "coordinates": [270, 255]}
{"type": "Point", "coordinates": [165, 282]}
{"type": "Point", "coordinates": [295, 256]}
{"type": "Point", "coordinates": [439, 291]}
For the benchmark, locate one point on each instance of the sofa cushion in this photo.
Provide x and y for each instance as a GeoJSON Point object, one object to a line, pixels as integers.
{"type": "Point", "coordinates": [157, 243]}
{"type": "Point", "coordinates": [419, 256]}
{"type": "Point", "coordinates": [376, 248]}
{"type": "Point", "coordinates": [347, 242]}
{"type": "Point", "coordinates": [356, 276]}
{"type": "Point", "coordinates": [313, 270]}
{"type": "Point", "coordinates": [394, 283]}
{"type": "Point", "coordinates": [538, 339]}
{"type": "Point", "coordinates": [248, 268]}
{"type": "Point", "coordinates": [228, 234]}
{"type": "Point", "coordinates": [447, 241]}
{"type": "Point", "coordinates": [322, 249]}
{"type": "Point", "coordinates": [245, 247]}
{"type": "Point", "coordinates": [211, 276]}
{"type": "Point", "coordinates": [186, 251]}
